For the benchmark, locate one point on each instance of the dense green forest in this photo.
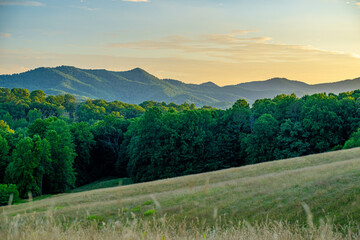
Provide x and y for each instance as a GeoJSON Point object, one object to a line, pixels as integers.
{"type": "Point", "coordinates": [50, 144]}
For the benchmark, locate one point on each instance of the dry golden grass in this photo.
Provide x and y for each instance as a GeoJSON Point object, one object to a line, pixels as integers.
{"type": "Point", "coordinates": [265, 195]}
{"type": "Point", "coordinates": [36, 228]}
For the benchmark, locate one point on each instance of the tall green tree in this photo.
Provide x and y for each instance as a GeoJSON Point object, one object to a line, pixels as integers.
{"type": "Point", "coordinates": [261, 143]}
{"type": "Point", "coordinates": [144, 145]}
{"type": "Point", "coordinates": [291, 141]}
{"type": "Point", "coordinates": [33, 115]}
{"type": "Point", "coordinates": [84, 142]}
{"type": "Point", "coordinates": [61, 176]}
{"type": "Point", "coordinates": [321, 122]}
{"type": "Point", "coordinates": [39, 127]}
{"type": "Point", "coordinates": [70, 105]}
{"type": "Point", "coordinates": [233, 127]}
{"type": "Point", "coordinates": [109, 155]}
{"type": "Point", "coordinates": [4, 157]}
{"type": "Point", "coordinates": [38, 96]}
{"type": "Point", "coordinates": [29, 161]}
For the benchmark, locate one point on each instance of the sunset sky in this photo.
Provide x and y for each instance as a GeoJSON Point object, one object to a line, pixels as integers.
{"type": "Point", "coordinates": [226, 42]}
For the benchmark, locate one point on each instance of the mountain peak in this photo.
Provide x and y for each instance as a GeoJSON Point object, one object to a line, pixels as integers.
{"type": "Point", "coordinates": [282, 80]}
{"type": "Point", "coordinates": [139, 75]}
{"type": "Point", "coordinates": [138, 70]}
{"type": "Point", "coordinates": [277, 79]}
{"type": "Point", "coordinates": [65, 66]}
{"type": "Point", "coordinates": [273, 82]}
{"type": "Point", "coordinates": [209, 84]}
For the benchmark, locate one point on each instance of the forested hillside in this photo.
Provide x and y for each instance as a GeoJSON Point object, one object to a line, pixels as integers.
{"type": "Point", "coordinates": [136, 86]}
{"type": "Point", "coordinates": [50, 144]}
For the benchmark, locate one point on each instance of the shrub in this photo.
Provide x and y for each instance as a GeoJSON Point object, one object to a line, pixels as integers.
{"type": "Point", "coordinates": [6, 191]}
{"type": "Point", "coordinates": [354, 140]}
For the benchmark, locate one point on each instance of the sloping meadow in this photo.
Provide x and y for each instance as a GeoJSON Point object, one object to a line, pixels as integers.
{"type": "Point", "coordinates": [312, 197]}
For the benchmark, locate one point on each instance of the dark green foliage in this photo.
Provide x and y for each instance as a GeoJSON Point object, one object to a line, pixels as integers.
{"type": "Point", "coordinates": [58, 143]}
{"type": "Point", "coordinates": [6, 117]}
{"type": "Point", "coordinates": [354, 140]}
{"type": "Point", "coordinates": [84, 142]}
{"type": "Point", "coordinates": [290, 141]}
{"type": "Point", "coordinates": [262, 142]}
{"type": "Point", "coordinates": [8, 191]}
{"type": "Point", "coordinates": [168, 144]}
{"type": "Point", "coordinates": [70, 105]}
{"type": "Point", "coordinates": [33, 115]}
{"type": "Point", "coordinates": [108, 155]}
{"type": "Point", "coordinates": [61, 176]}
{"type": "Point", "coordinates": [145, 146]}
{"type": "Point", "coordinates": [38, 127]}
{"type": "Point", "coordinates": [29, 162]}
{"type": "Point", "coordinates": [232, 128]}
{"type": "Point", "coordinates": [322, 123]}
{"type": "Point", "coordinates": [4, 157]}
{"type": "Point", "coordinates": [173, 144]}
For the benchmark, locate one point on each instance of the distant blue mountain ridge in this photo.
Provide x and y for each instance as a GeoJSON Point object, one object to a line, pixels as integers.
{"type": "Point", "coordinates": [137, 85]}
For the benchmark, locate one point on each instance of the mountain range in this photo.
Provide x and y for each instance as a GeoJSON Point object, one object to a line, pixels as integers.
{"type": "Point", "coordinates": [137, 85]}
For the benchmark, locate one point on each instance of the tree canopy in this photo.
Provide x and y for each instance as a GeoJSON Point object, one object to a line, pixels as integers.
{"type": "Point", "coordinates": [50, 144]}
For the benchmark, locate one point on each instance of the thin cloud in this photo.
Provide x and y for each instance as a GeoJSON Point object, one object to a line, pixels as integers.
{"type": "Point", "coordinates": [233, 48]}
{"type": "Point", "coordinates": [232, 39]}
{"type": "Point", "coordinates": [21, 3]}
{"type": "Point", "coordinates": [5, 35]}
{"type": "Point", "coordinates": [355, 55]}
{"type": "Point", "coordinates": [358, 4]}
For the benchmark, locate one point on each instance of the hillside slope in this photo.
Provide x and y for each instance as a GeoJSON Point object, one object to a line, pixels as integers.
{"type": "Point", "coordinates": [327, 183]}
{"type": "Point", "coordinates": [136, 86]}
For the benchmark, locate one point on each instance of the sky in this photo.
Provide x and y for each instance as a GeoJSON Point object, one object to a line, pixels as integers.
{"type": "Point", "coordinates": [194, 41]}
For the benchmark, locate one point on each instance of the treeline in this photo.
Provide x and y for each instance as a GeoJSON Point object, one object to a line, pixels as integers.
{"type": "Point", "coordinates": [50, 144]}
{"type": "Point", "coordinates": [18, 107]}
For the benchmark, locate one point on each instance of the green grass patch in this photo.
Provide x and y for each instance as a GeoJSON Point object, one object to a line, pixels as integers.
{"type": "Point", "coordinates": [150, 212]}
{"type": "Point", "coordinates": [148, 202]}
{"type": "Point", "coordinates": [20, 201]}
{"type": "Point", "coordinates": [103, 183]}
{"type": "Point", "coordinates": [136, 209]}
{"type": "Point", "coordinates": [95, 218]}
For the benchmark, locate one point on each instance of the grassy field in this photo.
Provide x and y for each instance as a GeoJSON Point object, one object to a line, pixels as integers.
{"type": "Point", "coordinates": [281, 197]}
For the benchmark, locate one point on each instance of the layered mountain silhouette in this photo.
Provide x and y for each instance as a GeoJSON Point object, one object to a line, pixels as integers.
{"type": "Point", "coordinates": [137, 85]}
